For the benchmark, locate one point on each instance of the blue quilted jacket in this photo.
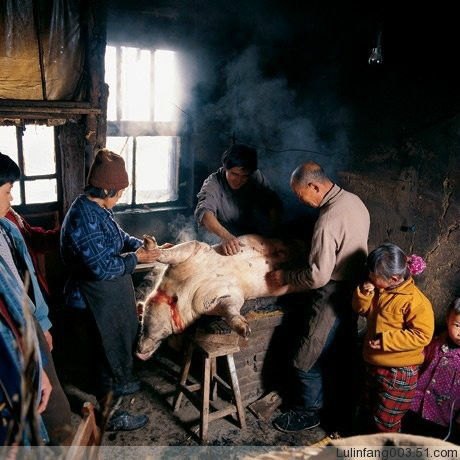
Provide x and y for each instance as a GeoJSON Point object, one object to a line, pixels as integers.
{"type": "Point", "coordinates": [94, 247]}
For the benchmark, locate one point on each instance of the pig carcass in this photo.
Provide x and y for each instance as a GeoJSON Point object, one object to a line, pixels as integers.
{"type": "Point", "coordinates": [200, 280]}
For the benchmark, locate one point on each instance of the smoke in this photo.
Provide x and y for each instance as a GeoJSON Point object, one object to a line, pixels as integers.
{"type": "Point", "coordinates": [287, 129]}
{"type": "Point", "coordinates": [184, 228]}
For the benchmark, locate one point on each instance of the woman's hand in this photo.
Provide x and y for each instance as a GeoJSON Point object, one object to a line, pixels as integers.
{"type": "Point", "coordinates": [147, 256]}
{"type": "Point", "coordinates": [45, 394]}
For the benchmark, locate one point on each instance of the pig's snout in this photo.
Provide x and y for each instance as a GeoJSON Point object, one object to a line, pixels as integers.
{"type": "Point", "coordinates": [145, 348]}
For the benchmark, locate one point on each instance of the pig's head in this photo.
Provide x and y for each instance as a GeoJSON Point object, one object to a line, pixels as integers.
{"type": "Point", "coordinates": [155, 327]}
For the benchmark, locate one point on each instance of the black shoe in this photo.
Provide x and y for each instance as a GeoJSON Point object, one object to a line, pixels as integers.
{"type": "Point", "coordinates": [127, 388]}
{"type": "Point", "coordinates": [295, 420]}
{"type": "Point", "coordinates": [124, 421]}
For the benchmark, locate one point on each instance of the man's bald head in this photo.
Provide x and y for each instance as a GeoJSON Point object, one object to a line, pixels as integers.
{"type": "Point", "coordinates": [310, 183]}
{"type": "Point", "coordinates": [307, 173]}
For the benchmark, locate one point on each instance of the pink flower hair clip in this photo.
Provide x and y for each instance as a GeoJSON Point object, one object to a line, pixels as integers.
{"type": "Point", "coordinates": [415, 264]}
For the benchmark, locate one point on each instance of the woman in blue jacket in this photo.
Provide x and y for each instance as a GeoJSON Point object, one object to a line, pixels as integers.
{"type": "Point", "coordinates": [101, 257]}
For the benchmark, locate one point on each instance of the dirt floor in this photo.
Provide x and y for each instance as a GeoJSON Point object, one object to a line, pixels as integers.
{"type": "Point", "coordinates": [159, 376]}
{"type": "Point", "coordinates": [176, 435]}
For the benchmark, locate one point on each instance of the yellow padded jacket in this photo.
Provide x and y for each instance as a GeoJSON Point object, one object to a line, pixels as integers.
{"type": "Point", "coordinates": [404, 320]}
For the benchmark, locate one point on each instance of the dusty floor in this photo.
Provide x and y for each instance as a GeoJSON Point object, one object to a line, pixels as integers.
{"type": "Point", "coordinates": [165, 428]}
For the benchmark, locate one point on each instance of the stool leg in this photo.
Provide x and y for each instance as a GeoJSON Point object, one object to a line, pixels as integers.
{"type": "Point", "coordinates": [236, 391]}
{"type": "Point", "coordinates": [213, 391]}
{"type": "Point", "coordinates": [205, 402]}
{"type": "Point", "coordinates": [184, 375]}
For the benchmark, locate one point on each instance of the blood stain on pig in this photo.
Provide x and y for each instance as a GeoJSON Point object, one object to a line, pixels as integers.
{"type": "Point", "coordinates": [163, 297]}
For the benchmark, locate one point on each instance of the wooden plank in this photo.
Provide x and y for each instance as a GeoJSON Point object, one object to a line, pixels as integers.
{"type": "Point", "coordinates": [28, 108]}
{"type": "Point", "coordinates": [230, 409]}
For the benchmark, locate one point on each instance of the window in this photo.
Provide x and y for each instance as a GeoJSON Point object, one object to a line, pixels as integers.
{"type": "Point", "coordinates": [143, 121]}
{"type": "Point", "coordinates": [33, 148]}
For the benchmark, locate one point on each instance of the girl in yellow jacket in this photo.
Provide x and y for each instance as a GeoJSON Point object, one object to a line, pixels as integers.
{"type": "Point", "coordinates": [400, 323]}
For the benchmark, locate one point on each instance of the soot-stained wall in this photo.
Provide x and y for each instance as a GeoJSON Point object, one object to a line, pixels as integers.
{"type": "Point", "coordinates": [293, 79]}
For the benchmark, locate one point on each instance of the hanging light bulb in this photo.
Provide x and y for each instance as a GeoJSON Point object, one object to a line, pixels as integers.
{"type": "Point", "coordinates": [376, 56]}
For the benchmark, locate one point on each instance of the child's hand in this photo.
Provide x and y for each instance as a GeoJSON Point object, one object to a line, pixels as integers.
{"type": "Point", "coordinates": [367, 288]}
{"type": "Point", "coordinates": [376, 344]}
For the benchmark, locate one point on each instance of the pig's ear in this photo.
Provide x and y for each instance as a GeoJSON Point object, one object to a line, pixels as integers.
{"type": "Point", "coordinates": [150, 242]}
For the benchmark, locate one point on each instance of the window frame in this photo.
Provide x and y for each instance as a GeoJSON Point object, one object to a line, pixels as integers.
{"type": "Point", "coordinates": [151, 128]}
{"type": "Point", "coordinates": [19, 185]}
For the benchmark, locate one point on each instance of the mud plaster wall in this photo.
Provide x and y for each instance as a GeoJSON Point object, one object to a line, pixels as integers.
{"type": "Point", "coordinates": [413, 198]}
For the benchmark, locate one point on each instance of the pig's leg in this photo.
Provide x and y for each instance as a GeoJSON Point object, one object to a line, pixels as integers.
{"type": "Point", "coordinates": [179, 253]}
{"type": "Point", "coordinates": [229, 307]}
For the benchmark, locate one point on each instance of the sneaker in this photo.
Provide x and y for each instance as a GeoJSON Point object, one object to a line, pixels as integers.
{"type": "Point", "coordinates": [127, 388]}
{"type": "Point", "coordinates": [295, 420]}
{"type": "Point", "coordinates": [124, 421]}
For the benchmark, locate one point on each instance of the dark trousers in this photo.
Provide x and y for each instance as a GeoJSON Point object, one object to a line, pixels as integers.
{"type": "Point", "coordinates": [311, 381]}
{"type": "Point", "coordinates": [323, 364]}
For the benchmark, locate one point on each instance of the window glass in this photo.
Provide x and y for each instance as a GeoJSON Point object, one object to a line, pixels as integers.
{"type": "Point", "coordinates": [41, 191]}
{"type": "Point", "coordinates": [8, 142]}
{"type": "Point", "coordinates": [38, 159]}
{"type": "Point", "coordinates": [135, 84]}
{"type": "Point", "coordinates": [38, 150]}
{"type": "Point", "coordinates": [156, 169]}
{"type": "Point", "coordinates": [166, 87]}
{"type": "Point", "coordinates": [124, 146]}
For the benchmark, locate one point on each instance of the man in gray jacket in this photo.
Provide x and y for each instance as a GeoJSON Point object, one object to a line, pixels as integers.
{"type": "Point", "coordinates": [336, 260]}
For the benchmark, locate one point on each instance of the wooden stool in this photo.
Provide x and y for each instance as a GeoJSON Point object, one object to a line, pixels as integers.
{"type": "Point", "coordinates": [210, 351]}
{"type": "Point", "coordinates": [87, 434]}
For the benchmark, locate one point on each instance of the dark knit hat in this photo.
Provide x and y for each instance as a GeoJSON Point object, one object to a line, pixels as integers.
{"type": "Point", "coordinates": [108, 171]}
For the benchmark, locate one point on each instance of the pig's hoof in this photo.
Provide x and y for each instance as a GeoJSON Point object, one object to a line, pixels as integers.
{"type": "Point", "coordinates": [243, 329]}
{"type": "Point", "coordinates": [239, 324]}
